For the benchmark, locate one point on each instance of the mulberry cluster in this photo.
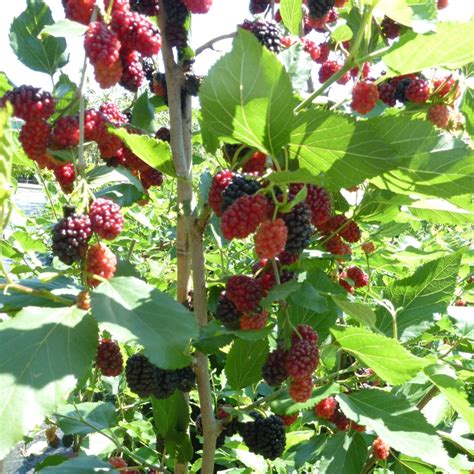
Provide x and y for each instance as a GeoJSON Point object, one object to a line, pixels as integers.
{"type": "Point", "coordinates": [300, 229]}
{"type": "Point", "coordinates": [274, 370]}
{"type": "Point", "coordinates": [71, 236]}
{"type": "Point", "coordinates": [145, 379]}
{"type": "Point", "coordinates": [106, 218]}
{"type": "Point", "coordinates": [35, 107]}
{"type": "Point", "coordinates": [100, 262]}
{"type": "Point", "coordinates": [320, 8]}
{"type": "Point", "coordinates": [380, 449]}
{"type": "Point", "coordinates": [109, 359]}
{"type": "Point", "coordinates": [258, 6]}
{"type": "Point", "coordinates": [364, 97]}
{"type": "Point", "coordinates": [115, 50]}
{"type": "Point", "coordinates": [268, 33]}
{"type": "Point", "coordinates": [339, 227]}
{"type": "Point", "coordinates": [176, 15]}
{"type": "Point", "coordinates": [302, 360]}
{"type": "Point", "coordinates": [440, 94]}
{"type": "Point", "coordinates": [238, 307]}
{"type": "Point", "coordinates": [264, 436]}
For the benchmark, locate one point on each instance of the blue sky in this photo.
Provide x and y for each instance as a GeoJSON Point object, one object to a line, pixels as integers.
{"type": "Point", "coordinates": [222, 18]}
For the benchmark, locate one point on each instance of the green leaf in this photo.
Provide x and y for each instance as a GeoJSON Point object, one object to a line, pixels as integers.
{"type": "Point", "coordinates": [398, 423]}
{"type": "Point", "coordinates": [467, 108]}
{"type": "Point", "coordinates": [397, 10]}
{"type": "Point", "coordinates": [452, 388]}
{"type": "Point", "coordinates": [450, 46]}
{"type": "Point", "coordinates": [281, 292]}
{"type": "Point", "coordinates": [410, 154]}
{"type": "Point", "coordinates": [40, 54]}
{"type": "Point", "coordinates": [5, 84]}
{"type": "Point", "coordinates": [143, 114]}
{"type": "Point", "coordinates": [439, 211]}
{"type": "Point", "coordinates": [64, 92]}
{"type": "Point", "coordinates": [58, 285]}
{"type": "Point", "coordinates": [155, 153]}
{"type": "Point", "coordinates": [348, 151]}
{"type": "Point", "coordinates": [389, 359]}
{"type": "Point", "coordinates": [292, 15]}
{"type": "Point", "coordinates": [65, 29]}
{"type": "Point", "coordinates": [362, 313]}
{"type": "Point", "coordinates": [247, 97]}
{"type": "Point", "coordinates": [342, 33]}
{"type": "Point", "coordinates": [43, 354]}
{"type": "Point", "coordinates": [80, 465]}
{"type": "Point", "coordinates": [298, 65]}
{"type": "Point", "coordinates": [308, 297]}
{"type": "Point", "coordinates": [244, 362]}
{"type": "Point", "coordinates": [171, 414]}
{"type": "Point", "coordinates": [297, 176]}
{"type": "Point", "coordinates": [420, 297]}
{"type": "Point", "coordinates": [133, 311]}
{"type": "Point", "coordinates": [100, 415]}
{"type": "Point", "coordinates": [343, 453]}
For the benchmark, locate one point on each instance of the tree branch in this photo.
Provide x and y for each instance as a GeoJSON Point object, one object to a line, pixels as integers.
{"type": "Point", "coordinates": [189, 242]}
{"type": "Point", "coordinates": [210, 43]}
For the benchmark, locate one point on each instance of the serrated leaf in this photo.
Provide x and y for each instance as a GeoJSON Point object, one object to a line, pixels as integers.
{"type": "Point", "coordinates": [467, 108]}
{"type": "Point", "coordinates": [298, 65]}
{"type": "Point", "coordinates": [45, 54]}
{"type": "Point", "coordinates": [43, 354]}
{"type": "Point", "coordinates": [308, 297]}
{"type": "Point", "coordinates": [64, 92]}
{"type": "Point", "coordinates": [143, 114]}
{"type": "Point", "coordinates": [244, 362]}
{"type": "Point", "coordinates": [450, 46]}
{"type": "Point", "coordinates": [398, 423]}
{"type": "Point", "coordinates": [362, 313]}
{"type": "Point", "coordinates": [135, 312]}
{"type": "Point", "coordinates": [59, 285]}
{"type": "Point", "coordinates": [420, 297]}
{"type": "Point", "coordinates": [98, 416]}
{"type": "Point", "coordinates": [65, 29]}
{"type": "Point", "coordinates": [155, 153]}
{"type": "Point", "coordinates": [5, 84]}
{"type": "Point", "coordinates": [451, 387]}
{"type": "Point", "coordinates": [292, 15]}
{"type": "Point", "coordinates": [342, 33]}
{"type": "Point", "coordinates": [80, 465]}
{"type": "Point", "coordinates": [281, 292]}
{"type": "Point", "coordinates": [343, 453]}
{"type": "Point", "coordinates": [387, 357]}
{"type": "Point", "coordinates": [247, 97]}
{"type": "Point", "coordinates": [397, 10]}
{"type": "Point", "coordinates": [411, 152]}
{"type": "Point", "coordinates": [171, 414]}
{"type": "Point", "coordinates": [297, 176]}
{"type": "Point", "coordinates": [439, 211]}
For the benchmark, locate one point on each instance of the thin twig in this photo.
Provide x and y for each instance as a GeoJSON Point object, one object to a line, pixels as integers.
{"type": "Point", "coordinates": [209, 44]}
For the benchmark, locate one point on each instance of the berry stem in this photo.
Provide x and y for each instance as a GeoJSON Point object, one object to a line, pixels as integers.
{"type": "Point", "coordinates": [46, 190]}
{"type": "Point", "coordinates": [263, 400]}
{"type": "Point", "coordinates": [81, 165]}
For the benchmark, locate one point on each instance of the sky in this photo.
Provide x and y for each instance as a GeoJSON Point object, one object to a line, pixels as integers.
{"type": "Point", "coordinates": [222, 19]}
